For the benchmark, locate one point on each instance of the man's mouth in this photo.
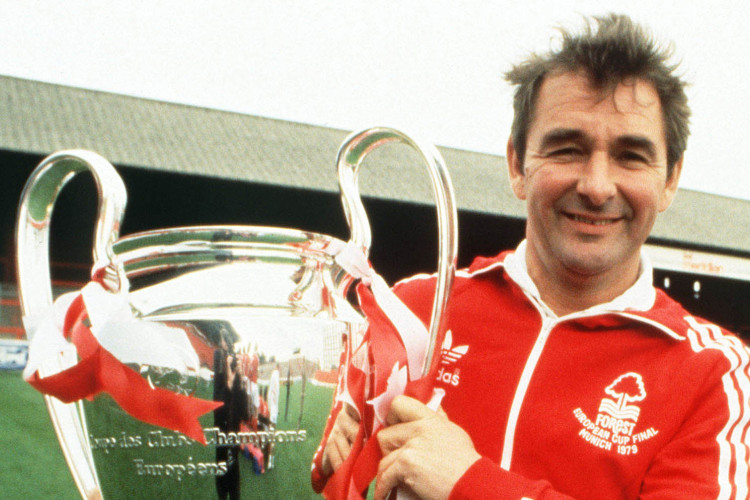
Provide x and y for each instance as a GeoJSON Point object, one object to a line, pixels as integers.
{"type": "Point", "coordinates": [594, 222]}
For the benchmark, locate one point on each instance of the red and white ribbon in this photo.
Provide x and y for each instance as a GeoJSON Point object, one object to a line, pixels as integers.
{"type": "Point", "coordinates": [410, 328]}
{"type": "Point", "coordinates": [98, 329]}
{"type": "Point", "coordinates": [395, 347]}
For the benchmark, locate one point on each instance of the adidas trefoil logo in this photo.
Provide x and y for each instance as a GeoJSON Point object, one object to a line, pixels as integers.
{"type": "Point", "coordinates": [449, 355]}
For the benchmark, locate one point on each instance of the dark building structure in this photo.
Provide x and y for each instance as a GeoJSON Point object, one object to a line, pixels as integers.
{"type": "Point", "coordinates": [191, 166]}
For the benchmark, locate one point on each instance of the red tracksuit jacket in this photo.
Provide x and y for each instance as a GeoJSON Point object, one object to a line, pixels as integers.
{"type": "Point", "coordinates": [632, 399]}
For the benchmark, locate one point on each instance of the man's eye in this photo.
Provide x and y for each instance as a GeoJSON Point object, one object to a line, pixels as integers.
{"type": "Point", "coordinates": [566, 152]}
{"type": "Point", "coordinates": [632, 156]}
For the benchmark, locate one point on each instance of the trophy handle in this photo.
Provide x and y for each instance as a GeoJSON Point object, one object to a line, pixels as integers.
{"type": "Point", "coordinates": [34, 283]}
{"type": "Point", "coordinates": [351, 154]}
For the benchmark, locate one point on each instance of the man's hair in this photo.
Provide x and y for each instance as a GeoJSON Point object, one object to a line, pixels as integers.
{"type": "Point", "coordinates": [615, 50]}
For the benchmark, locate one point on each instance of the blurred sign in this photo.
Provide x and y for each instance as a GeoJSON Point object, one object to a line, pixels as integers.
{"type": "Point", "coordinates": [703, 263]}
{"type": "Point", "coordinates": [13, 354]}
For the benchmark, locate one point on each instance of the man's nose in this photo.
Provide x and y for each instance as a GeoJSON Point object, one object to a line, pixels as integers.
{"type": "Point", "coordinates": [595, 180]}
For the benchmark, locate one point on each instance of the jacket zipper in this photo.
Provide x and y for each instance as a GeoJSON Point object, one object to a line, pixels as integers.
{"type": "Point", "coordinates": [528, 370]}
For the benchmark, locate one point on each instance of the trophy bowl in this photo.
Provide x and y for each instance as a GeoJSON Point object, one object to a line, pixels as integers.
{"type": "Point", "coordinates": [263, 312]}
{"type": "Point", "coordinates": [253, 319]}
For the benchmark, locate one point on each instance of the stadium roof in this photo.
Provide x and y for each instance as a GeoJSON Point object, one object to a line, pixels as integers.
{"type": "Point", "coordinates": [41, 118]}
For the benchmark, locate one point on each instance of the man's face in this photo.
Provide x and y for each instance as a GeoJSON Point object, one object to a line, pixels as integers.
{"type": "Point", "coordinates": [594, 176]}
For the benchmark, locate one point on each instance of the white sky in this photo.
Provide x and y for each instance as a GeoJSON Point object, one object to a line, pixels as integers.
{"type": "Point", "coordinates": [429, 67]}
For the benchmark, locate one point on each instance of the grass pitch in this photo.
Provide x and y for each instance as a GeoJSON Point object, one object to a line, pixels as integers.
{"type": "Point", "coordinates": [32, 464]}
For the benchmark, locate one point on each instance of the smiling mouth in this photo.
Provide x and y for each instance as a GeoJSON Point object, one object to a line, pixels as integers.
{"type": "Point", "coordinates": [593, 222]}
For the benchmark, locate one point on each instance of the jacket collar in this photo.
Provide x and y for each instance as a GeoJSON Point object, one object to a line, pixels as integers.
{"type": "Point", "coordinates": [639, 297]}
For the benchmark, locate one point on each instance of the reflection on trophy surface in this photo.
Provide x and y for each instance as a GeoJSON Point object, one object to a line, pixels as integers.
{"type": "Point", "coordinates": [253, 318]}
{"type": "Point", "coordinates": [258, 330]}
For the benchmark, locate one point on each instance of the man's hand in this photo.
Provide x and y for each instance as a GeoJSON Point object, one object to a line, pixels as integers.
{"type": "Point", "coordinates": [340, 440]}
{"type": "Point", "coordinates": [422, 450]}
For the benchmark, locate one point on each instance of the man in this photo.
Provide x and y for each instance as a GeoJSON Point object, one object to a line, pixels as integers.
{"type": "Point", "coordinates": [228, 389]}
{"type": "Point", "coordinates": [570, 375]}
{"type": "Point", "coordinates": [273, 409]}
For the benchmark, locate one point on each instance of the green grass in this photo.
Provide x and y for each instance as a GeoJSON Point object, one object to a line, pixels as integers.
{"type": "Point", "coordinates": [32, 465]}
{"type": "Point", "coordinates": [31, 462]}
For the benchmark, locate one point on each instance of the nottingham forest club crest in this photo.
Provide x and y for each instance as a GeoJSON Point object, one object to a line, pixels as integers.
{"type": "Point", "coordinates": [448, 373]}
{"type": "Point", "coordinates": [614, 428]}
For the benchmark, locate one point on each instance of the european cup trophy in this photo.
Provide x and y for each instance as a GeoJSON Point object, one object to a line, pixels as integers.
{"type": "Point", "coordinates": [201, 362]}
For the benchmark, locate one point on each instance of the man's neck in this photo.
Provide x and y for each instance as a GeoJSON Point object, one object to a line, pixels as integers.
{"type": "Point", "coordinates": [565, 291]}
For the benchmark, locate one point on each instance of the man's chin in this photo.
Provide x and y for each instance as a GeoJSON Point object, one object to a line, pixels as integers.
{"type": "Point", "coordinates": [588, 265]}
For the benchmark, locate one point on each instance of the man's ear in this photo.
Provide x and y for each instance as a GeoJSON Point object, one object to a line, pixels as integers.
{"type": "Point", "coordinates": [515, 171]}
{"type": "Point", "coordinates": [670, 188]}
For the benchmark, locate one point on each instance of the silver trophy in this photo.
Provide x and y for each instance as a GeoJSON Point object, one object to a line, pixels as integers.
{"type": "Point", "coordinates": [253, 317]}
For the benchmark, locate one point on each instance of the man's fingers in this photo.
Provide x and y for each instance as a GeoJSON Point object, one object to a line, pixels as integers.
{"type": "Point", "coordinates": [337, 449]}
{"type": "Point", "coordinates": [413, 449]}
{"type": "Point", "coordinates": [394, 437]}
{"type": "Point", "coordinates": [342, 447]}
{"type": "Point", "coordinates": [331, 460]}
{"type": "Point", "coordinates": [351, 411]}
{"type": "Point", "coordinates": [348, 425]}
{"type": "Point", "coordinates": [406, 409]}
{"type": "Point", "coordinates": [339, 444]}
{"type": "Point", "coordinates": [404, 423]}
{"type": "Point", "coordinates": [388, 477]}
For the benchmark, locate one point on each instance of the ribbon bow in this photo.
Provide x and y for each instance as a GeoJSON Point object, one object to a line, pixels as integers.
{"type": "Point", "coordinates": [388, 362]}
{"type": "Point", "coordinates": [100, 328]}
